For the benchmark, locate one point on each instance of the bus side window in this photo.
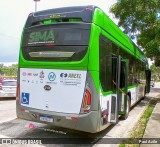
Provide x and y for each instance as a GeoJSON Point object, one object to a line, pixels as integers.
{"type": "Point", "coordinates": [122, 78]}
{"type": "Point", "coordinates": [114, 74]}
{"type": "Point", "coordinates": [105, 62]}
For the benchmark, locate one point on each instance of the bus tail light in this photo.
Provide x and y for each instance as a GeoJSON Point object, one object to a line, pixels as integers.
{"type": "Point", "coordinates": [18, 87]}
{"type": "Point", "coordinates": [0, 87]}
{"type": "Point", "coordinates": [89, 9]}
{"type": "Point", "coordinates": [50, 44]}
{"type": "Point", "coordinates": [86, 103]}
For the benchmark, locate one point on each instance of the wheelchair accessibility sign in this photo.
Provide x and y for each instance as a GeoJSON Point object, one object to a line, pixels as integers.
{"type": "Point", "coordinates": [25, 98]}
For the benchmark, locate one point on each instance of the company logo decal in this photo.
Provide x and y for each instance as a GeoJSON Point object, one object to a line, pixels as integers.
{"type": "Point", "coordinates": [63, 75]}
{"type": "Point", "coordinates": [70, 75]}
{"type": "Point", "coordinates": [41, 37]}
{"type": "Point", "coordinates": [25, 98]}
{"type": "Point", "coordinates": [47, 87]}
{"type": "Point", "coordinates": [41, 74]}
{"type": "Point", "coordinates": [24, 73]}
{"type": "Point", "coordinates": [78, 76]}
{"type": "Point", "coordinates": [29, 74]}
{"type": "Point", "coordinates": [23, 80]}
{"type": "Point", "coordinates": [35, 74]}
{"type": "Point", "coordinates": [51, 76]}
{"type": "Point", "coordinates": [72, 79]}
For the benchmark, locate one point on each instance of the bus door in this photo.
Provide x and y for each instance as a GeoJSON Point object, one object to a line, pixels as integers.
{"type": "Point", "coordinates": [119, 87]}
{"type": "Point", "coordinates": [123, 87]}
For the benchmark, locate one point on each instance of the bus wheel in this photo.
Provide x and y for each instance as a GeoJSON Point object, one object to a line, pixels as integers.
{"type": "Point", "coordinates": [123, 117]}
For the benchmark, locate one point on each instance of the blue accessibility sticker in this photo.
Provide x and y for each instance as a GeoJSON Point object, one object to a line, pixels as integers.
{"type": "Point", "coordinates": [25, 98]}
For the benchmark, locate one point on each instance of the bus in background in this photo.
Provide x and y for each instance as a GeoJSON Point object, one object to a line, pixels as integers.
{"type": "Point", "coordinates": [78, 70]}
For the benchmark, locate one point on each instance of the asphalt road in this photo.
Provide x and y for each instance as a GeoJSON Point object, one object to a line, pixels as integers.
{"type": "Point", "coordinates": [16, 128]}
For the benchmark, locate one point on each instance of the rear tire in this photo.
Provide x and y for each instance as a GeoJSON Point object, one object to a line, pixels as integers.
{"type": "Point", "coordinates": [125, 116]}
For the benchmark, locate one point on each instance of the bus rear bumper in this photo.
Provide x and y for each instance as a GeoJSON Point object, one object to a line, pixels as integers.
{"type": "Point", "coordinates": [82, 122]}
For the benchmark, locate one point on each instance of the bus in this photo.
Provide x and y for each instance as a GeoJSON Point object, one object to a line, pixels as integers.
{"type": "Point", "coordinates": [78, 70]}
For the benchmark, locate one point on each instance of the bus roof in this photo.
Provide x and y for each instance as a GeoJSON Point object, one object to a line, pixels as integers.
{"type": "Point", "coordinates": [102, 20]}
{"type": "Point", "coordinates": [83, 12]}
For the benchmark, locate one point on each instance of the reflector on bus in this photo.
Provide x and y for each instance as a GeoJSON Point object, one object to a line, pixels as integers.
{"type": "Point", "coordinates": [86, 104]}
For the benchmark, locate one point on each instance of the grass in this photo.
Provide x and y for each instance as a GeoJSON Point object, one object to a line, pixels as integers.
{"type": "Point", "coordinates": [139, 129]}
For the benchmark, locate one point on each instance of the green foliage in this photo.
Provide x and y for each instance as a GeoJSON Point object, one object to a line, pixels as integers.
{"type": "Point", "coordinates": [9, 71]}
{"type": "Point", "coordinates": [155, 69]}
{"type": "Point", "coordinates": [1, 67]}
{"type": "Point", "coordinates": [157, 61]}
{"type": "Point", "coordinates": [138, 17]}
{"type": "Point", "coordinates": [155, 72]}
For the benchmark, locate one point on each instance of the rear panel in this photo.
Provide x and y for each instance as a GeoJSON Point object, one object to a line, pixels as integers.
{"type": "Point", "coordinates": [58, 101]}
{"type": "Point", "coordinates": [52, 90]}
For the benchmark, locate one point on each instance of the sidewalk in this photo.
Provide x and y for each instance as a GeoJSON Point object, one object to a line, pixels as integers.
{"type": "Point", "coordinates": [8, 110]}
{"type": "Point", "coordinates": [153, 127]}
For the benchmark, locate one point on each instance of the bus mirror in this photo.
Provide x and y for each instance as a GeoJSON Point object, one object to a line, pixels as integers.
{"type": "Point", "coordinates": [148, 79]}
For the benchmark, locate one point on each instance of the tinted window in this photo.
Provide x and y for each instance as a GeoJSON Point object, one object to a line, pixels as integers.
{"type": "Point", "coordinates": [122, 75]}
{"type": "Point", "coordinates": [56, 43]}
{"type": "Point", "coordinates": [136, 67]}
{"type": "Point", "coordinates": [105, 61]}
{"type": "Point", "coordinates": [115, 49]}
{"type": "Point", "coordinates": [9, 83]}
{"type": "Point", "coordinates": [38, 36]}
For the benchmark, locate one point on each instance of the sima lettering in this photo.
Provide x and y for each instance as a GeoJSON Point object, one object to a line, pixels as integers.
{"type": "Point", "coordinates": [41, 36]}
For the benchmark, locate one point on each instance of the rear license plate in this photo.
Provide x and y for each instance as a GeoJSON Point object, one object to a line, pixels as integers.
{"type": "Point", "coordinates": [46, 118]}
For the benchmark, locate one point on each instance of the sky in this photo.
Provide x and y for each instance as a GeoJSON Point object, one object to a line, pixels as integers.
{"type": "Point", "coordinates": [14, 13]}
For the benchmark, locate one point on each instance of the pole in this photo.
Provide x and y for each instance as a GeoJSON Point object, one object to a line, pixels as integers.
{"type": "Point", "coordinates": [36, 4]}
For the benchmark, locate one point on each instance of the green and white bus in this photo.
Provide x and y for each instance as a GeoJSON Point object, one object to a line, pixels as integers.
{"type": "Point", "coordinates": [78, 70]}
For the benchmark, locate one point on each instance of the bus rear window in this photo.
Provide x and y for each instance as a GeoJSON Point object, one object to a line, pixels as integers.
{"type": "Point", "coordinates": [38, 36]}
{"type": "Point", "coordinates": [50, 43]}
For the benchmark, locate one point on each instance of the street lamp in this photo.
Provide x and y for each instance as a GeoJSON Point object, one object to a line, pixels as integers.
{"type": "Point", "coordinates": [36, 4]}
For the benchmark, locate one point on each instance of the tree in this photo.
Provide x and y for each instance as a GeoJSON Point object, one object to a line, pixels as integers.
{"type": "Point", "coordinates": [138, 17]}
{"type": "Point", "coordinates": [1, 69]}
{"type": "Point", "coordinates": [10, 70]}
{"type": "Point", "coordinates": [155, 71]}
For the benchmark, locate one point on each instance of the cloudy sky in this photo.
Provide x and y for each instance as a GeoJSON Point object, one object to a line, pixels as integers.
{"type": "Point", "coordinates": [13, 15]}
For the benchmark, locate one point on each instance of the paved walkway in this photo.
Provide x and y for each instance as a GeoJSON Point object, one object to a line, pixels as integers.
{"type": "Point", "coordinates": [7, 110]}
{"type": "Point", "coordinates": [152, 132]}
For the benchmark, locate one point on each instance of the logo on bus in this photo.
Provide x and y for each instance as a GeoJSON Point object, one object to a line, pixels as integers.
{"type": "Point", "coordinates": [41, 37]}
{"type": "Point", "coordinates": [29, 74]}
{"type": "Point", "coordinates": [51, 76]}
{"type": "Point", "coordinates": [35, 74]}
{"type": "Point", "coordinates": [74, 76]}
{"type": "Point", "coordinates": [41, 74]}
{"type": "Point", "coordinates": [63, 75]}
{"type": "Point", "coordinates": [70, 75]}
{"type": "Point", "coordinates": [24, 73]}
{"type": "Point", "coordinates": [47, 87]}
